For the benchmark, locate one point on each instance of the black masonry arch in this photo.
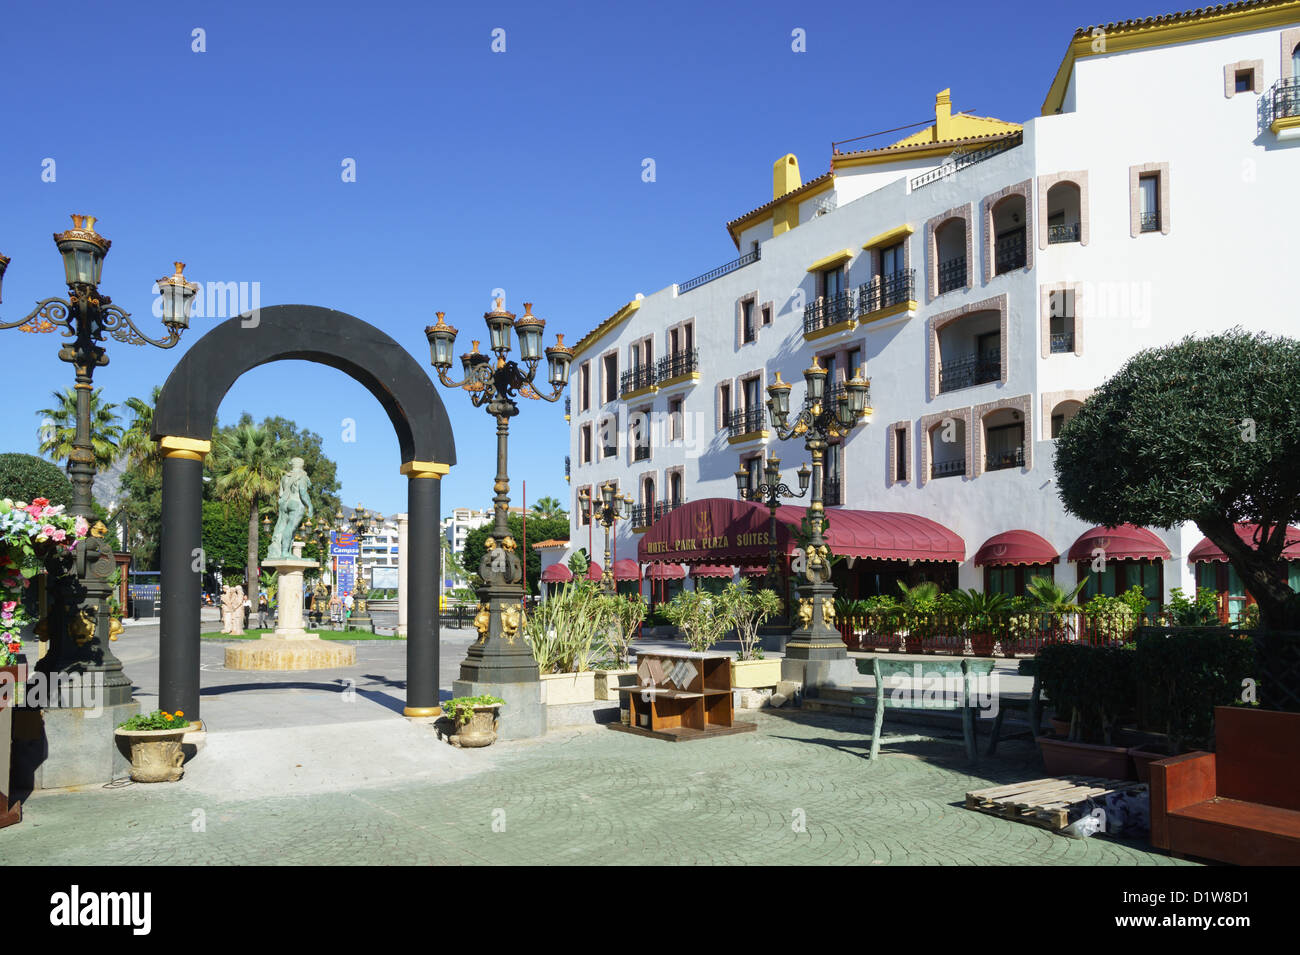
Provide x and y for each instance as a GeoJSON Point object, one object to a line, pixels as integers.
{"type": "Point", "coordinates": [187, 406]}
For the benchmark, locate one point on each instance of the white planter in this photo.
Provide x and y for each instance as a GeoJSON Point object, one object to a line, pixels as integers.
{"type": "Point", "coordinates": [608, 682]}
{"type": "Point", "coordinates": [561, 689]}
{"type": "Point", "coordinates": [747, 674]}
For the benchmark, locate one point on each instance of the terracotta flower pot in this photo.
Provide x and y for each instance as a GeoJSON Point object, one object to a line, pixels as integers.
{"type": "Point", "coordinates": [156, 755]}
{"type": "Point", "coordinates": [481, 730]}
{"type": "Point", "coordinates": [981, 644]}
{"type": "Point", "coordinates": [1065, 758]}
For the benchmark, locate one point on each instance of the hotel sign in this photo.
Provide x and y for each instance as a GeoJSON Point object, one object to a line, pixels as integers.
{"type": "Point", "coordinates": [715, 530]}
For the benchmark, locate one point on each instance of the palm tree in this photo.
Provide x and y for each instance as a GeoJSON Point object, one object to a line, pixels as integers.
{"type": "Point", "coordinates": [142, 452]}
{"type": "Point", "coordinates": [548, 507]}
{"type": "Point", "coordinates": [59, 428]}
{"type": "Point", "coordinates": [1052, 597]}
{"type": "Point", "coordinates": [248, 462]}
{"type": "Point", "coordinates": [920, 597]}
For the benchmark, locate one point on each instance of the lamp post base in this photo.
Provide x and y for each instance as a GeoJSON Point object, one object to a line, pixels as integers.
{"type": "Point", "coordinates": [815, 654]}
{"type": "Point", "coordinates": [523, 716]}
{"type": "Point", "coordinates": [55, 747]}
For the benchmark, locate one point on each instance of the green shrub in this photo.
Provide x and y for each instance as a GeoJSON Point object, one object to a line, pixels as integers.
{"type": "Point", "coordinates": [567, 629]}
{"type": "Point", "coordinates": [1184, 676]}
{"type": "Point", "coordinates": [702, 618]}
{"type": "Point", "coordinates": [24, 477]}
{"type": "Point", "coordinates": [1200, 612]}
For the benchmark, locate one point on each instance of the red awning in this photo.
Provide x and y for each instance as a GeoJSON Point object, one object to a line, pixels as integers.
{"type": "Point", "coordinates": [718, 529]}
{"type": "Point", "coordinates": [595, 571]}
{"type": "Point", "coordinates": [666, 572]}
{"type": "Point", "coordinates": [627, 570]}
{"type": "Point", "coordinates": [556, 574]}
{"type": "Point", "coordinates": [712, 570]}
{"type": "Point", "coordinates": [753, 571]}
{"type": "Point", "coordinates": [1125, 542]}
{"type": "Point", "coordinates": [1015, 547]}
{"type": "Point", "coordinates": [1207, 550]}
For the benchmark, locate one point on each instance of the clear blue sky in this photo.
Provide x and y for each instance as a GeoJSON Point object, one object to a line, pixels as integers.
{"type": "Point", "coordinates": [475, 170]}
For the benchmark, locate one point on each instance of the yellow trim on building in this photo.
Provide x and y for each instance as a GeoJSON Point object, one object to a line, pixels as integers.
{"type": "Point", "coordinates": [1285, 122]}
{"type": "Point", "coordinates": [890, 237]}
{"type": "Point", "coordinates": [921, 151]}
{"type": "Point", "coordinates": [425, 469]}
{"type": "Point", "coordinates": [1200, 24]}
{"type": "Point", "coordinates": [900, 308]}
{"type": "Point", "coordinates": [691, 376]}
{"type": "Point", "coordinates": [836, 329]}
{"type": "Point", "coordinates": [749, 436]}
{"type": "Point", "coordinates": [832, 260]}
{"type": "Point", "coordinates": [191, 449]}
{"type": "Point", "coordinates": [813, 187]}
{"type": "Point", "coordinates": [647, 390]}
{"type": "Point", "coordinates": [608, 325]}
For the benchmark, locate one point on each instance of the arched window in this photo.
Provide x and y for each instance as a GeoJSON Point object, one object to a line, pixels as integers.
{"type": "Point", "coordinates": [1295, 62]}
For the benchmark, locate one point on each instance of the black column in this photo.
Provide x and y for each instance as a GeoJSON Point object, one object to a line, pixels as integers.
{"type": "Point", "coordinates": [423, 573]}
{"type": "Point", "coordinates": [182, 579]}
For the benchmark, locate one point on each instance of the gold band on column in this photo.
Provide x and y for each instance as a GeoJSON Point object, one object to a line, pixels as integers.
{"type": "Point", "coordinates": [425, 469]}
{"type": "Point", "coordinates": [422, 711]}
{"type": "Point", "coordinates": [192, 449]}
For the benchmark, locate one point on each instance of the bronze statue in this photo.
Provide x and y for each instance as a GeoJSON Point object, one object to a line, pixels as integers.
{"type": "Point", "coordinates": [295, 504]}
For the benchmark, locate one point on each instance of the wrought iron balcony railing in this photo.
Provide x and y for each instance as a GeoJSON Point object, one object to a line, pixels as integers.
{"type": "Point", "coordinates": [644, 515]}
{"type": "Point", "coordinates": [676, 364]}
{"type": "Point", "coordinates": [962, 160]}
{"type": "Point", "coordinates": [566, 467]}
{"type": "Point", "coordinates": [897, 288]}
{"type": "Point", "coordinates": [1062, 233]}
{"type": "Point", "coordinates": [1008, 459]}
{"type": "Point", "coordinates": [1009, 253]}
{"type": "Point", "coordinates": [827, 311]}
{"type": "Point", "coordinates": [745, 422]}
{"type": "Point", "coordinates": [1283, 99]}
{"type": "Point", "coordinates": [567, 407]}
{"type": "Point", "coordinates": [747, 259]}
{"type": "Point", "coordinates": [952, 274]}
{"type": "Point", "coordinates": [941, 469]}
{"type": "Point", "coordinates": [636, 378]}
{"type": "Point", "coordinates": [969, 371]}
{"type": "Point", "coordinates": [1062, 342]}
{"type": "Point", "coordinates": [640, 452]}
{"type": "Point", "coordinates": [1149, 222]}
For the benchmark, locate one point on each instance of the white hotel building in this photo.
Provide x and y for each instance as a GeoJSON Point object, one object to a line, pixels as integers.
{"type": "Point", "coordinates": [989, 275]}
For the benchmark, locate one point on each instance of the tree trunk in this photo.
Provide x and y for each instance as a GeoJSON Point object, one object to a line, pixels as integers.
{"type": "Point", "coordinates": [1262, 571]}
{"type": "Point", "coordinates": [251, 585]}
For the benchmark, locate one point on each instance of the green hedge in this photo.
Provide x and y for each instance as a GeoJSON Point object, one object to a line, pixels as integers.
{"type": "Point", "coordinates": [1185, 674]}
{"type": "Point", "coordinates": [1095, 688]}
{"type": "Point", "coordinates": [25, 476]}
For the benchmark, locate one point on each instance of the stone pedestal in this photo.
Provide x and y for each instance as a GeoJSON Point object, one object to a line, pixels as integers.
{"type": "Point", "coordinates": [523, 716]}
{"type": "Point", "coordinates": [290, 647]}
{"type": "Point", "coordinates": [69, 746]}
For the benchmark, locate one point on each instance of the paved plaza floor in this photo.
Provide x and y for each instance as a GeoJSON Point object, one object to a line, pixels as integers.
{"type": "Point", "coordinates": [292, 774]}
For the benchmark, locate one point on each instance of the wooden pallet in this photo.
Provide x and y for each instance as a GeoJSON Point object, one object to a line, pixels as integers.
{"type": "Point", "coordinates": [1049, 803]}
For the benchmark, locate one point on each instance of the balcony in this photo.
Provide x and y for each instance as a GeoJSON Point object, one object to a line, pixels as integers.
{"type": "Point", "coordinates": [747, 259]}
{"type": "Point", "coordinates": [640, 452]}
{"type": "Point", "coordinates": [567, 408]}
{"type": "Point", "coordinates": [826, 313]}
{"type": "Point", "coordinates": [742, 424]}
{"type": "Point", "coordinates": [566, 467]}
{"type": "Point", "coordinates": [644, 515]}
{"type": "Point", "coordinates": [831, 495]}
{"type": "Point", "coordinates": [1149, 222]}
{"type": "Point", "coordinates": [970, 371]}
{"type": "Point", "coordinates": [1008, 459]}
{"type": "Point", "coordinates": [1009, 253]}
{"type": "Point", "coordinates": [896, 290]}
{"type": "Point", "coordinates": [952, 274]}
{"type": "Point", "coordinates": [1062, 342]}
{"type": "Point", "coordinates": [942, 469]}
{"type": "Point", "coordinates": [678, 365]}
{"type": "Point", "coordinates": [962, 160]}
{"type": "Point", "coordinates": [1058, 234]}
{"type": "Point", "coordinates": [635, 380]}
{"type": "Point", "coordinates": [1281, 107]}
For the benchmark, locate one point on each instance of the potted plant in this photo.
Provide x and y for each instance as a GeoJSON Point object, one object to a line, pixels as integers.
{"type": "Point", "coordinates": [983, 615]}
{"type": "Point", "coordinates": [700, 617]}
{"type": "Point", "coordinates": [748, 610]}
{"type": "Point", "coordinates": [565, 633]}
{"type": "Point", "coordinates": [1094, 687]}
{"type": "Point", "coordinates": [626, 614]}
{"type": "Point", "coordinates": [473, 720]}
{"type": "Point", "coordinates": [154, 740]}
{"type": "Point", "coordinates": [919, 605]}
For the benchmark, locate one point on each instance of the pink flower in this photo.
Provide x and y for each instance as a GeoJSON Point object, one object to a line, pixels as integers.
{"type": "Point", "coordinates": [82, 526]}
{"type": "Point", "coordinates": [8, 606]}
{"type": "Point", "coordinates": [58, 534]}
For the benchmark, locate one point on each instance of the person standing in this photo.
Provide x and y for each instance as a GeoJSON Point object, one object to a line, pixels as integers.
{"type": "Point", "coordinates": [263, 611]}
{"type": "Point", "coordinates": [336, 612]}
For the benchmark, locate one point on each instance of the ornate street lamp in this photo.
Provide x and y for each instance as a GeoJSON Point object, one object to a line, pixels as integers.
{"type": "Point", "coordinates": [79, 617]}
{"type": "Point", "coordinates": [815, 639]}
{"type": "Point", "coordinates": [611, 508]}
{"type": "Point", "coordinates": [361, 522]}
{"type": "Point", "coordinates": [501, 655]}
{"type": "Point", "coordinates": [771, 492]}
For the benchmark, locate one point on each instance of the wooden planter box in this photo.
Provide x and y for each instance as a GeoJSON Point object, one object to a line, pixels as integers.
{"type": "Point", "coordinates": [562, 689]}
{"type": "Point", "coordinates": [1065, 758]}
{"type": "Point", "coordinates": [13, 676]}
{"type": "Point", "coordinates": [751, 674]}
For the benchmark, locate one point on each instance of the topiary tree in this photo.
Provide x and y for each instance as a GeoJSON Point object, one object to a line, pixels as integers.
{"type": "Point", "coordinates": [1206, 430]}
{"type": "Point", "coordinates": [25, 476]}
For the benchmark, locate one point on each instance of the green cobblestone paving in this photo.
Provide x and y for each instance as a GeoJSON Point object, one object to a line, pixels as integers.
{"type": "Point", "coordinates": [596, 796]}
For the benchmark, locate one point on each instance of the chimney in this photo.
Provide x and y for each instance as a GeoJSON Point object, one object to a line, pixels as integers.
{"type": "Point", "coordinates": [943, 115]}
{"type": "Point", "coordinates": [785, 175]}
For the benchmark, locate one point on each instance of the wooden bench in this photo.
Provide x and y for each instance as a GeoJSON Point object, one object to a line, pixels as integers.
{"type": "Point", "coordinates": [1239, 804]}
{"type": "Point", "coordinates": [950, 672]}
